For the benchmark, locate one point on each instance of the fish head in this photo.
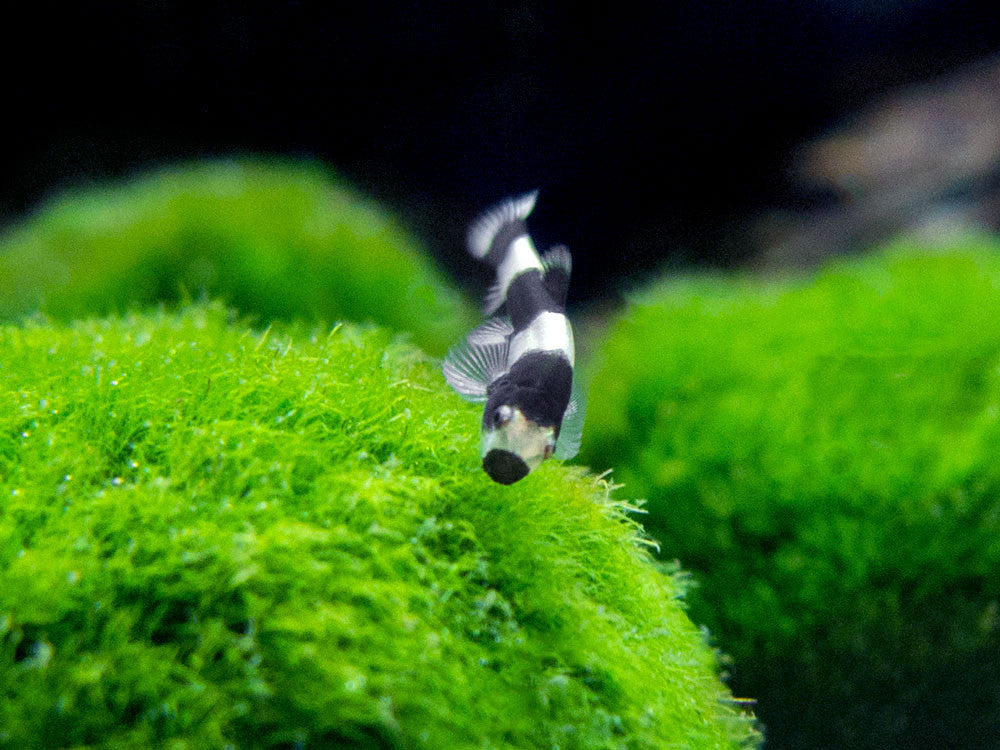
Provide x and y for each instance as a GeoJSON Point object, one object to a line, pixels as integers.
{"type": "Point", "coordinates": [512, 445]}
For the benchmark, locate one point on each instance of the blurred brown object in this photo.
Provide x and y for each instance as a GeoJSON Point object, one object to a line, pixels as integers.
{"type": "Point", "coordinates": [924, 161]}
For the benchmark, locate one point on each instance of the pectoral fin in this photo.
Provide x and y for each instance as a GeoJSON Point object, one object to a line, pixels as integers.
{"type": "Point", "coordinates": [472, 365]}
{"type": "Point", "coordinates": [571, 431]}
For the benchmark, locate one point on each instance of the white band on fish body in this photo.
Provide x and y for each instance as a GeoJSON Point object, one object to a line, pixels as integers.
{"type": "Point", "coordinates": [521, 257]}
{"type": "Point", "coordinates": [548, 332]}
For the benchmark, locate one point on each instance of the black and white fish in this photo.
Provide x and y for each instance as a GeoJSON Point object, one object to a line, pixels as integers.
{"type": "Point", "coordinates": [520, 363]}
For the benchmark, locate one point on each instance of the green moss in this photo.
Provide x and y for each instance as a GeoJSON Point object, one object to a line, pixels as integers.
{"type": "Point", "coordinates": [278, 240]}
{"type": "Point", "coordinates": [211, 537]}
{"type": "Point", "coordinates": [823, 456]}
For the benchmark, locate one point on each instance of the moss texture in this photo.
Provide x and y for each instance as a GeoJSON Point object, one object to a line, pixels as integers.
{"type": "Point", "coordinates": [215, 537]}
{"type": "Point", "coordinates": [822, 455]}
{"type": "Point", "coordinates": [276, 239]}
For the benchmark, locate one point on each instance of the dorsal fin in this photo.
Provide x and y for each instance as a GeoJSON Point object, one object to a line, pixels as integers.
{"type": "Point", "coordinates": [557, 264]}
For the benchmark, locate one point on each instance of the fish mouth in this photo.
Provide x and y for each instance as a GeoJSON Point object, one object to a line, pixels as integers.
{"type": "Point", "coordinates": [504, 467]}
{"type": "Point", "coordinates": [522, 439]}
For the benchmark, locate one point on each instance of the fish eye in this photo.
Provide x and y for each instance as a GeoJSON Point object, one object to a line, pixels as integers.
{"type": "Point", "coordinates": [502, 415]}
{"type": "Point", "coordinates": [548, 451]}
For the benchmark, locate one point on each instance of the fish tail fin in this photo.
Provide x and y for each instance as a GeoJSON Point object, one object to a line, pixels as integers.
{"type": "Point", "coordinates": [505, 220]}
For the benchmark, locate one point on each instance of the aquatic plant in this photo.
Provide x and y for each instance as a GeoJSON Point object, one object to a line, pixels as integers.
{"type": "Point", "coordinates": [821, 453]}
{"type": "Point", "coordinates": [218, 536]}
{"type": "Point", "coordinates": [276, 239]}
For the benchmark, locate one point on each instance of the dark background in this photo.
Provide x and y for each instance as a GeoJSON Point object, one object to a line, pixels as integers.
{"type": "Point", "coordinates": [655, 132]}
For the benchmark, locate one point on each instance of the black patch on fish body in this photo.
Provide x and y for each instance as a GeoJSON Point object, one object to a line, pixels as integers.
{"type": "Point", "coordinates": [539, 384]}
{"type": "Point", "coordinates": [527, 296]}
{"type": "Point", "coordinates": [504, 467]}
{"type": "Point", "coordinates": [504, 238]}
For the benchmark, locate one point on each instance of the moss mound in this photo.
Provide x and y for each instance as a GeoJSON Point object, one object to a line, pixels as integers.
{"type": "Point", "coordinates": [823, 456]}
{"type": "Point", "coordinates": [279, 240]}
{"type": "Point", "coordinates": [211, 537]}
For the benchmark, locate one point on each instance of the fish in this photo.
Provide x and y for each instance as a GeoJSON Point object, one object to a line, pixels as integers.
{"type": "Point", "coordinates": [520, 362]}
